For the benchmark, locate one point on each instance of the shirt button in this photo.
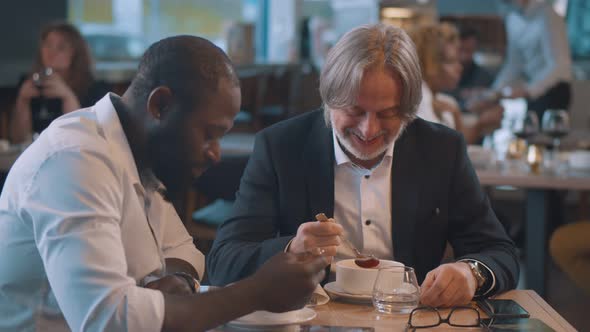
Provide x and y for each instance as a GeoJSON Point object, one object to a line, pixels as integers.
{"type": "Point", "coordinates": [367, 176]}
{"type": "Point", "coordinates": [367, 222]}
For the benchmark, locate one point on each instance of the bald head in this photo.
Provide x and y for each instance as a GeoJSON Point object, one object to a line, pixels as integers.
{"type": "Point", "coordinates": [191, 67]}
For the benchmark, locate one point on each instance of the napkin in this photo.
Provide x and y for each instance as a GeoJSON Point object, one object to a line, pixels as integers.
{"type": "Point", "coordinates": [319, 297]}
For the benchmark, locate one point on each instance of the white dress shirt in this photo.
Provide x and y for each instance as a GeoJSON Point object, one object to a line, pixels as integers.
{"type": "Point", "coordinates": [362, 204]}
{"type": "Point", "coordinates": [79, 232]}
{"type": "Point", "coordinates": [426, 111]}
{"type": "Point", "coordinates": [538, 50]}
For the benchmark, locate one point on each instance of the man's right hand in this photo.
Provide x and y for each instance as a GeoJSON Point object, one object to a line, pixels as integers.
{"type": "Point", "coordinates": [286, 281]}
{"type": "Point", "coordinates": [318, 238]}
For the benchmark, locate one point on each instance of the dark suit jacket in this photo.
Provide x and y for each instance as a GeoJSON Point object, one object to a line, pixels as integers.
{"type": "Point", "coordinates": [436, 197]}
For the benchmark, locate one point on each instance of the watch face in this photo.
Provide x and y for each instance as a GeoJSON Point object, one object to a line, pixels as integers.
{"type": "Point", "coordinates": [477, 273]}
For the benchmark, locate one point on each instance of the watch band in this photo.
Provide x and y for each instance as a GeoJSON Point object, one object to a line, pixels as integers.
{"type": "Point", "coordinates": [192, 282]}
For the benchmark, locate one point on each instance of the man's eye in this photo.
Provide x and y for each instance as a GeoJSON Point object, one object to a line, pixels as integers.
{"type": "Point", "coordinates": [388, 114]}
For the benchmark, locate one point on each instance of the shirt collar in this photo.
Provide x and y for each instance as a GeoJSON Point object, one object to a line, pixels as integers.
{"type": "Point", "coordinates": [113, 131]}
{"type": "Point", "coordinates": [342, 158]}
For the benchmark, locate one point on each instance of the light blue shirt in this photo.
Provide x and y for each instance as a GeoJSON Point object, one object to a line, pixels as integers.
{"type": "Point", "coordinates": [79, 232]}
{"type": "Point", "coordinates": [538, 53]}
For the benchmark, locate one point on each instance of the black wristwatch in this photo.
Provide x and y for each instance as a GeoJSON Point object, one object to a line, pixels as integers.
{"type": "Point", "coordinates": [192, 282]}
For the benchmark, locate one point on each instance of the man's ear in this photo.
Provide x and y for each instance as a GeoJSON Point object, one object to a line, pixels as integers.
{"type": "Point", "coordinates": [158, 102]}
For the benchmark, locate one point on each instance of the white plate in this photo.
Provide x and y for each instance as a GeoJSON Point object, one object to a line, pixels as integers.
{"type": "Point", "coordinates": [265, 319]}
{"type": "Point", "coordinates": [335, 292]}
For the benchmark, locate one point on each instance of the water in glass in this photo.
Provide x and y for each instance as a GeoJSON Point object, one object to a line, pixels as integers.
{"type": "Point", "coordinates": [396, 290]}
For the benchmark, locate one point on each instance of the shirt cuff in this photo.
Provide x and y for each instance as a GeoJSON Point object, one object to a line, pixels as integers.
{"type": "Point", "coordinates": [491, 273]}
{"type": "Point", "coordinates": [190, 255]}
{"type": "Point", "coordinates": [145, 309]}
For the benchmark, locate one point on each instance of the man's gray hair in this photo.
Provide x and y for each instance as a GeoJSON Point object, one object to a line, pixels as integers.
{"type": "Point", "coordinates": [364, 47]}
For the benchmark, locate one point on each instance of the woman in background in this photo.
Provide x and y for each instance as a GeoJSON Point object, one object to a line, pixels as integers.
{"type": "Point", "coordinates": [60, 82]}
{"type": "Point", "coordinates": [438, 51]}
{"type": "Point", "coordinates": [437, 45]}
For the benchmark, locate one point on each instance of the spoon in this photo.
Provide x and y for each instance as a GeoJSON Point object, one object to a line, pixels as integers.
{"type": "Point", "coordinates": [362, 260]}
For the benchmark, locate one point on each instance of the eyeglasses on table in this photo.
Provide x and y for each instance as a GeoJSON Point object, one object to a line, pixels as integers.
{"type": "Point", "coordinates": [459, 316]}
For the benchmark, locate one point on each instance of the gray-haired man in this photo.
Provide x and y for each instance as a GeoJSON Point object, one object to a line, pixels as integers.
{"type": "Point", "coordinates": [398, 187]}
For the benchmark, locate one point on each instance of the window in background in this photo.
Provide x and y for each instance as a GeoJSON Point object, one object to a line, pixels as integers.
{"type": "Point", "coordinates": [578, 26]}
{"type": "Point", "coordinates": [119, 30]}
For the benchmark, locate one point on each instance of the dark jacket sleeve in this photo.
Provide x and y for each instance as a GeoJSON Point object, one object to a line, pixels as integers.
{"type": "Point", "coordinates": [250, 236]}
{"type": "Point", "coordinates": [474, 229]}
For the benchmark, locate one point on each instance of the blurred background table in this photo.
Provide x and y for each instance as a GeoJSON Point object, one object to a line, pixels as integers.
{"type": "Point", "coordinates": [538, 211]}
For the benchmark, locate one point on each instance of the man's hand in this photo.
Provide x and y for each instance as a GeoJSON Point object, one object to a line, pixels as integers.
{"type": "Point", "coordinates": [448, 285]}
{"type": "Point", "coordinates": [515, 91]}
{"type": "Point", "coordinates": [318, 238]}
{"type": "Point", "coordinates": [171, 284]}
{"type": "Point", "coordinates": [490, 119]}
{"type": "Point", "coordinates": [441, 106]}
{"type": "Point", "coordinates": [286, 281]}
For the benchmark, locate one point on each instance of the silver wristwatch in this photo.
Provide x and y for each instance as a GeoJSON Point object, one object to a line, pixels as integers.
{"type": "Point", "coordinates": [477, 273]}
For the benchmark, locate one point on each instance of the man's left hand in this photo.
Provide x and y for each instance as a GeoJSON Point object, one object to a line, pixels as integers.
{"type": "Point", "coordinates": [448, 285]}
{"type": "Point", "coordinates": [171, 284]}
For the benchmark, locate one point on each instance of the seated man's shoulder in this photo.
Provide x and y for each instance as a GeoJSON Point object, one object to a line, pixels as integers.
{"type": "Point", "coordinates": [299, 123]}
{"type": "Point", "coordinates": [294, 131]}
{"type": "Point", "coordinates": [79, 129]}
{"type": "Point", "coordinates": [66, 139]}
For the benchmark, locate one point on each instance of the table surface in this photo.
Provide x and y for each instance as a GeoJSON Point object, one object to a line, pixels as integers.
{"type": "Point", "coordinates": [570, 180]}
{"type": "Point", "coordinates": [337, 313]}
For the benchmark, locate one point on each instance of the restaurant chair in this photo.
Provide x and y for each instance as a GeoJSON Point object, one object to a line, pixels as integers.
{"type": "Point", "coordinates": [215, 193]}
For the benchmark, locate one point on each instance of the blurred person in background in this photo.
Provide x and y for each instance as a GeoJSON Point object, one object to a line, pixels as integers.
{"type": "Point", "coordinates": [570, 249]}
{"type": "Point", "coordinates": [437, 45]}
{"type": "Point", "coordinates": [538, 63]}
{"type": "Point", "coordinates": [61, 81]}
{"type": "Point", "coordinates": [474, 78]}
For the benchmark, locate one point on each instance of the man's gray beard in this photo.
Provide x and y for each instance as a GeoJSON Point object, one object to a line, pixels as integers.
{"type": "Point", "coordinates": [357, 154]}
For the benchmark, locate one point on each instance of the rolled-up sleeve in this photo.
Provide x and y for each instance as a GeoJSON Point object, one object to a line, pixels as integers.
{"type": "Point", "coordinates": [73, 206]}
{"type": "Point", "coordinates": [177, 242]}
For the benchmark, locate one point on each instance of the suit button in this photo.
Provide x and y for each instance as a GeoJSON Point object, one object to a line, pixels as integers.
{"type": "Point", "coordinates": [367, 222]}
{"type": "Point", "coordinates": [367, 176]}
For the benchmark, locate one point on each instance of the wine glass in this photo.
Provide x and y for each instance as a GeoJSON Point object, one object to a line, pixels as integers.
{"type": "Point", "coordinates": [556, 124]}
{"type": "Point", "coordinates": [524, 129]}
{"type": "Point", "coordinates": [527, 127]}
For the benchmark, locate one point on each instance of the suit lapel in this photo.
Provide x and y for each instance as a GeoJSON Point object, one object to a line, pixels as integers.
{"type": "Point", "coordinates": [405, 191]}
{"type": "Point", "coordinates": [318, 160]}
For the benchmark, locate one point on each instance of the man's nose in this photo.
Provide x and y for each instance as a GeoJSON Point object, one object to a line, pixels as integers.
{"type": "Point", "coordinates": [214, 152]}
{"type": "Point", "coordinates": [370, 126]}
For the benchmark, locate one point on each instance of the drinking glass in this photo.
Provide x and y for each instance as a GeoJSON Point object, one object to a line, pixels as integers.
{"type": "Point", "coordinates": [396, 290]}
{"type": "Point", "coordinates": [556, 124]}
{"type": "Point", "coordinates": [527, 127]}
